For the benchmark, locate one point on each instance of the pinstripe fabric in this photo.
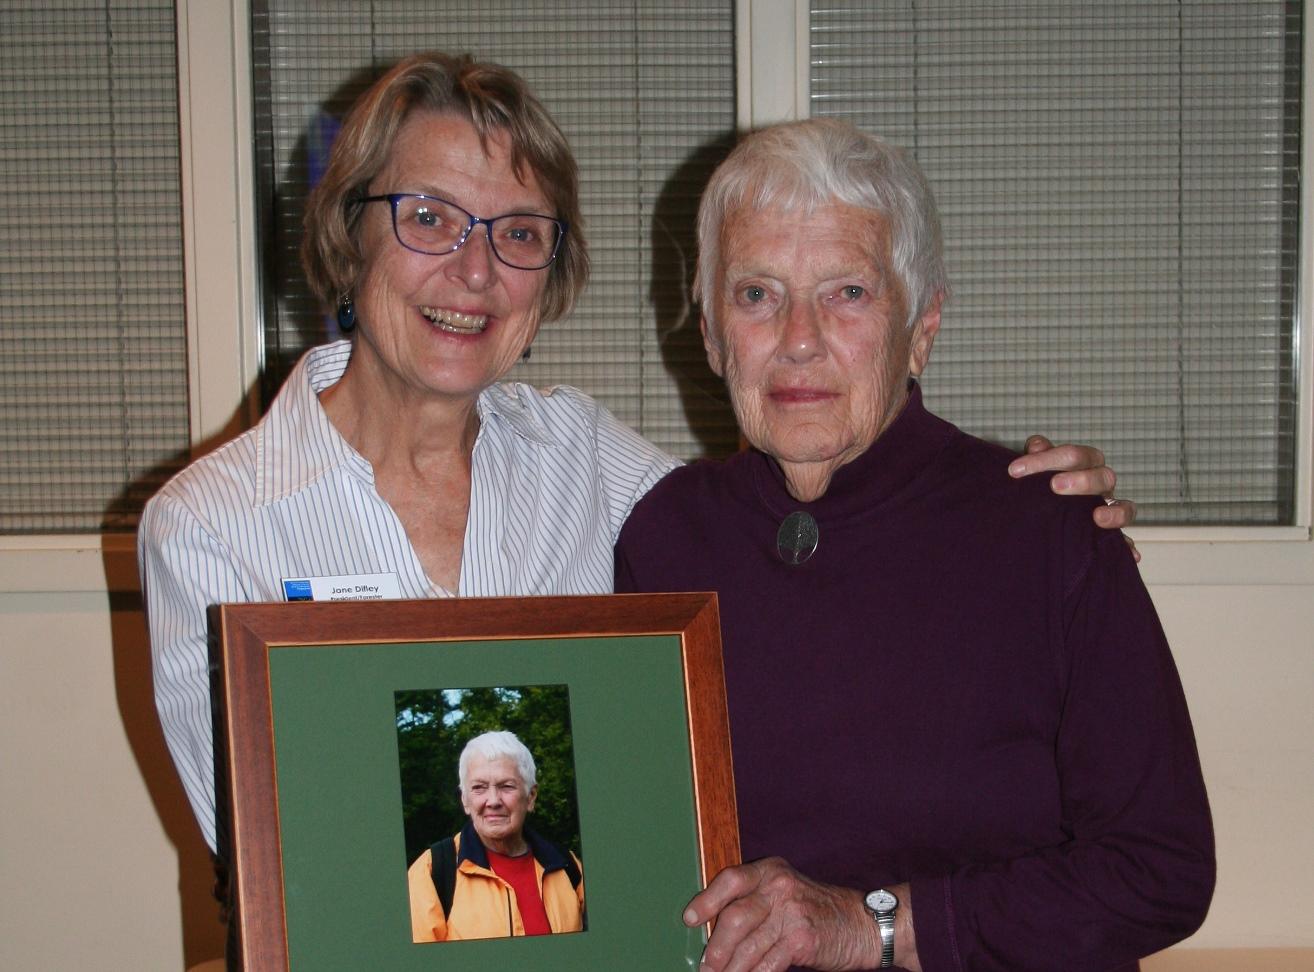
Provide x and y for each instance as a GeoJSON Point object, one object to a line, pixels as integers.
{"type": "Point", "coordinates": [554, 476]}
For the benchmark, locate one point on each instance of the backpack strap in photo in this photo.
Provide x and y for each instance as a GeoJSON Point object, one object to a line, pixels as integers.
{"type": "Point", "coordinates": [442, 869]}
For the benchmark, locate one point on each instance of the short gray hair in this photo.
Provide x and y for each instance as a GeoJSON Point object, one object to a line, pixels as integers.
{"type": "Point", "coordinates": [500, 745]}
{"type": "Point", "coordinates": [809, 164]}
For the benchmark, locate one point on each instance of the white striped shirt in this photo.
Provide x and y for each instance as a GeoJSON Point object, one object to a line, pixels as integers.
{"type": "Point", "coordinates": [553, 476]}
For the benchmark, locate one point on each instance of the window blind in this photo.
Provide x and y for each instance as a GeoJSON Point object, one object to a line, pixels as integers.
{"type": "Point", "coordinates": [93, 368]}
{"type": "Point", "coordinates": [645, 92]}
{"type": "Point", "coordinates": [1118, 184]}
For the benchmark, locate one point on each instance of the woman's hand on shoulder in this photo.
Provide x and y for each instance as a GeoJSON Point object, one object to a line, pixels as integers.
{"type": "Point", "coordinates": [1081, 472]}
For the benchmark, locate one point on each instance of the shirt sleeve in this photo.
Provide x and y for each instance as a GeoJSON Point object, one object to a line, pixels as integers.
{"type": "Point", "coordinates": [185, 568]}
{"type": "Point", "coordinates": [629, 466]}
{"type": "Point", "coordinates": [428, 923]}
{"type": "Point", "coordinates": [1136, 870]}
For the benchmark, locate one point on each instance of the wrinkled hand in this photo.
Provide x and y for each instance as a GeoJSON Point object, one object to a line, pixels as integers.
{"type": "Point", "coordinates": [1081, 472]}
{"type": "Point", "coordinates": [769, 917]}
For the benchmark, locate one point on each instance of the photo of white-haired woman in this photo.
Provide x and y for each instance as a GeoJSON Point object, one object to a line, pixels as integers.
{"type": "Point", "coordinates": [496, 878]}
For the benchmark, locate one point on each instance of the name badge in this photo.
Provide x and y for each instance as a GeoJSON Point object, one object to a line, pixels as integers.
{"type": "Point", "coordinates": [348, 587]}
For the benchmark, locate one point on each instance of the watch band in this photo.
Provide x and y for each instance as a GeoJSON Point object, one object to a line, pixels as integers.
{"type": "Point", "coordinates": [881, 905]}
{"type": "Point", "coordinates": [886, 922]}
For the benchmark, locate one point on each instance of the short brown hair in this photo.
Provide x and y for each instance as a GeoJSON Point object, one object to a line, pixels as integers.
{"type": "Point", "coordinates": [494, 99]}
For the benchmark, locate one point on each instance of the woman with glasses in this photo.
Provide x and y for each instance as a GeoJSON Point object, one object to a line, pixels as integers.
{"type": "Point", "coordinates": [397, 464]}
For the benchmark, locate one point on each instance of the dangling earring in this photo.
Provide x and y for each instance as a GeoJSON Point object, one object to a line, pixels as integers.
{"type": "Point", "coordinates": [346, 314]}
{"type": "Point", "coordinates": [524, 355]}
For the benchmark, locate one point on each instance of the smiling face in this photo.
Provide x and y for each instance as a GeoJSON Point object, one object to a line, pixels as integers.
{"type": "Point", "coordinates": [497, 800]}
{"type": "Point", "coordinates": [445, 326]}
{"type": "Point", "coordinates": [808, 329]}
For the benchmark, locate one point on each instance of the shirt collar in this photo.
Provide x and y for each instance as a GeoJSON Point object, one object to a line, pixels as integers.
{"type": "Point", "coordinates": [297, 443]}
{"type": "Point", "coordinates": [510, 403]}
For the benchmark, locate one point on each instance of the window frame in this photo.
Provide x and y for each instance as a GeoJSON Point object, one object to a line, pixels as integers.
{"type": "Point", "coordinates": [775, 33]}
{"type": "Point", "coordinates": [221, 279]}
{"type": "Point", "coordinates": [224, 310]}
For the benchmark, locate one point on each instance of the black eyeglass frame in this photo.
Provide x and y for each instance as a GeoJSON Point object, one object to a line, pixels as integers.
{"type": "Point", "coordinates": [393, 198]}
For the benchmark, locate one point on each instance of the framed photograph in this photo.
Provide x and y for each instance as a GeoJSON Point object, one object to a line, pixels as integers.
{"type": "Point", "coordinates": [340, 731]}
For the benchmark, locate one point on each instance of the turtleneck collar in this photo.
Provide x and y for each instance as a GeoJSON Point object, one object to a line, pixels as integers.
{"type": "Point", "coordinates": [912, 440]}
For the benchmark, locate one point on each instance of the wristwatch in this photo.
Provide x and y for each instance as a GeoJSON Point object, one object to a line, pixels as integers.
{"type": "Point", "coordinates": [882, 905]}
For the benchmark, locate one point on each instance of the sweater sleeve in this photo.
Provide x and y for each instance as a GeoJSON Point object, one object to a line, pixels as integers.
{"type": "Point", "coordinates": [623, 577]}
{"type": "Point", "coordinates": [1135, 871]}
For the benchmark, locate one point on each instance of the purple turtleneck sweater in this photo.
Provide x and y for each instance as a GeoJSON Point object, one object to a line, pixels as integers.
{"type": "Point", "coordinates": [965, 687]}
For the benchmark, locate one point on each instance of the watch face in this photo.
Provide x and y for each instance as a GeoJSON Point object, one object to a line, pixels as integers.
{"type": "Point", "coordinates": [881, 900]}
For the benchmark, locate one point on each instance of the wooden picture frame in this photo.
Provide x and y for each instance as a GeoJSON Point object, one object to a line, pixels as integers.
{"type": "Point", "coordinates": [303, 723]}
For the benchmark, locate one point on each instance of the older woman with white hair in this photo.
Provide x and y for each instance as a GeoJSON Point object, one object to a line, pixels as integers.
{"type": "Point", "coordinates": [953, 713]}
{"type": "Point", "coordinates": [496, 878]}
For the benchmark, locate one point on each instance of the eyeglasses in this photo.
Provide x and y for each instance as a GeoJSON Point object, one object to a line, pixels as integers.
{"type": "Point", "coordinates": [427, 224]}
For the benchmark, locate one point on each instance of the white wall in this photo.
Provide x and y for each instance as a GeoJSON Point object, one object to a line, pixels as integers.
{"type": "Point", "coordinates": [101, 866]}
{"type": "Point", "coordinates": [1246, 656]}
